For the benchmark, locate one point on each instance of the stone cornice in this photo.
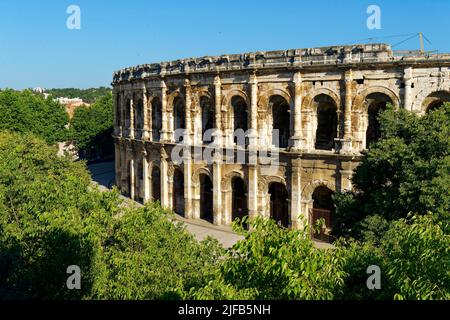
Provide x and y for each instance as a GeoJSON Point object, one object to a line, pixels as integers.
{"type": "Point", "coordinates": [355, 56]}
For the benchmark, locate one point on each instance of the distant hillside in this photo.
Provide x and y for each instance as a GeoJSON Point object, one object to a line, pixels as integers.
{"type": "Point", "coordinates": [88, 95]}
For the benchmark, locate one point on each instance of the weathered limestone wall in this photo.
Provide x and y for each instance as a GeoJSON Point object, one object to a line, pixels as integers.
{"type": "Point", "coordinates": [305, 81]}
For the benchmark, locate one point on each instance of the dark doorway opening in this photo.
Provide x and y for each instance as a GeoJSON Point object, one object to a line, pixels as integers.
{"type": "Point", "coordinates": [281, 121]}
{"type": "Point", "coordinates": [279, 209]}
{"type": "Point", "coordinates": [178, 192]}
{"type": "Point", "coordinates": [206, 198]}
{"type": "Point", "coordinates": [156, 184]}
{"type": "Point", "coordinates": [323, 208]}
{"type": "Point", "coordinates": [239, 202]}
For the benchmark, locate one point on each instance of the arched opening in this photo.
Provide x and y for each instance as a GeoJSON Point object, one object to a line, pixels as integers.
{"type": "Point", "coordinates": [127, 113]}
{"type": "Point", "coordinates": [323, 208]}
{"type": "Point", "coordinates": [139, 116]}
{"type": "Point", "coordinates": [179, 116]}
{"type": "Point", "coordinates": [208, 117]}
{"type": "Point", "coordinates": [156, 119]}
{"type": "Point", "coordinates": [130, 179]}
{"type": "Point", "coordinates": [178, 192]}
{"type": "Point", "coordinates": [156, 184]}
{"type": "Point", "coordinates": [279, 209]}
{"type": "Point", "coordinates": [140, 182]}
{"type": "Point", "coordinates": [377, 103]}
{"type": "Point", "coordinates": [436, 100]}
{"type": "Point", "coordinates": [239, 199]}
{"type": "Point", "coordinates": [240, 120]}
{"type": "Point", "coordinates": [206, 198]}
{"type": "Point", "coordinates": [281, 121]}
{"type": "Point", "coordinates": [326, 122]}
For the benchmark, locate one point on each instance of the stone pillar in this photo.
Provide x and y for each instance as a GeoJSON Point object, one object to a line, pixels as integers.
{"type": "Point", "coordinates": [164, 116]}
{"type": "Point", "coordinates": [347, 141]}
{"type": "Point", "coordinates": [187, 163]}
{"type": "Point", "coordinates": [131, 135]}
{"type": "Point", "coordinates": [253, 136]}
{"type": "Point", "coordinates": [218, 109]}
{"type": "Point", "coordinates": [252, 191]}
{"type": "Point", "coordinates": [165, 201]}
{"type": "Point", "coordinates": [132, 179]}
{"type": "Point", "coordinates": [297, 138]}
{"type": "Point", "coordinates": [146, 133]}
{"type": "Point", "coordinates": [145, 180]}
{"type": "Point", "coordinates": [217, 192]}
{"type": "Point", "coordinates": [296, 194]}
{"type": "Point", "coordinates": [187, 138]}
{"type": "Point", "coordinates": [407, 78]}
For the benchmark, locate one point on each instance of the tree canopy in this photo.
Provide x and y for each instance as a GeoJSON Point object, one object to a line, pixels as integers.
{"type": "Point", "coordinates": [92, 126]}
{"type": "Point", "coordinates": [407, 170]}
{"type": "Point", "coordinates": [25, 111]}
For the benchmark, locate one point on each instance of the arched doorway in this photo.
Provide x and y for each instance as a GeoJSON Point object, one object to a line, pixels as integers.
{"type": "Point", "coordinates": [139, 117]}
{"type": "Point", "coordinates": [156, 119]}
{"type": "Point", "coordinates": [326, 122]}
{"type": "Point", "coordinates": [323, 208]}
{"type": "Point", "coordinates": [377, 103]}
{"type": "Point", "coordinates": [281, 121]}
{"type": "Point", "coordinates": [208, 117]}
{"type": "Point", "coordinates": [279, 209]}
{"type": "Point", "coordinates": [240, 120]}
{"type": "Point", "coordinates": [436, 100]}
{"type": "Point", "coordinates": [156, 184]}
{"type": "Point", "coordinates": [179, 116]}
{"type": "Point", "coordinates": [206, 198]}
{"type": "Point", "coordinates": [127, 114]}
{"type": "Point", "coordinates": [239, 199]}
{"type": "Point", "coordinates": [178, 192]}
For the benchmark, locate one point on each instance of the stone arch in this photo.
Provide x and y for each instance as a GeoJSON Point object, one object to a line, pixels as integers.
{"type": "Point", "coordinates": [435, 100]}
{"type": "Point", "coordinates": [155, 176]}
{"type": "Point", "coordinates": [308, 101]}
{"type": "Point", "coordinates": [196, 176]}
{"type": "Point", "coordinates": [226, 180]}
{"type": "Point", "coordinates": [280, 119]}
{"type": "Point", "coordinates": [177, 181]}
{"type": "Point", "coordinates": [207, 116]}
{"type": "Point", "coordinates": [420, 100]}
{"type": "Point", "coordinates": [279, 204]}
{"type": "Point", "coordinates": [155, 117]}
{"type": "Point", "coordinates": [325, 121]}
{"type": "Point", "coordinates": [308, 190]}
{"type": "Point", "coordinates": [360, 104]}
{"type": "Point", "coordinates": [322, 208]}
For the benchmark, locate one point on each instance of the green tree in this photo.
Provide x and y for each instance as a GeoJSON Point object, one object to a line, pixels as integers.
{"type": "Point", "coordinates": [24, 111]}
{"type": "Point", "coordinates": [407, 170]}
{"type": "Point", "coordinates": [276, 263]}
{"type": "Point", "coordinates": [413, 256]}
{"type": "Point", "coordinates": [92, 126]}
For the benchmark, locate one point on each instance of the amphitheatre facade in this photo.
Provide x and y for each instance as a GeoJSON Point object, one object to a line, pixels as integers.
{"type": "Point", "coordinates": [308, 117]}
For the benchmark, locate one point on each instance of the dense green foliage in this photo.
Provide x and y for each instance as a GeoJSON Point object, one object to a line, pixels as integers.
{"type": "Point", "coordinates": [88, 95]}
{"type": "Point", "coordinates": [25, 111]}
{"type": "Point", "coordinates": [407, 170]}
{"type": "Point", "coordinates": [92, 126]}
{"type": "Point", "coordinates": [51, 217]}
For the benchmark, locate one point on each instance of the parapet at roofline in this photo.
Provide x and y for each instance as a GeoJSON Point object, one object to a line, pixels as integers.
{"type": "Point", "coordinates": [309, 57]}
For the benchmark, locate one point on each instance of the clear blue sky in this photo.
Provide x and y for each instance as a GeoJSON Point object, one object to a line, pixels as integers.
{"type": "Point", "coordinates": [37, 49]}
